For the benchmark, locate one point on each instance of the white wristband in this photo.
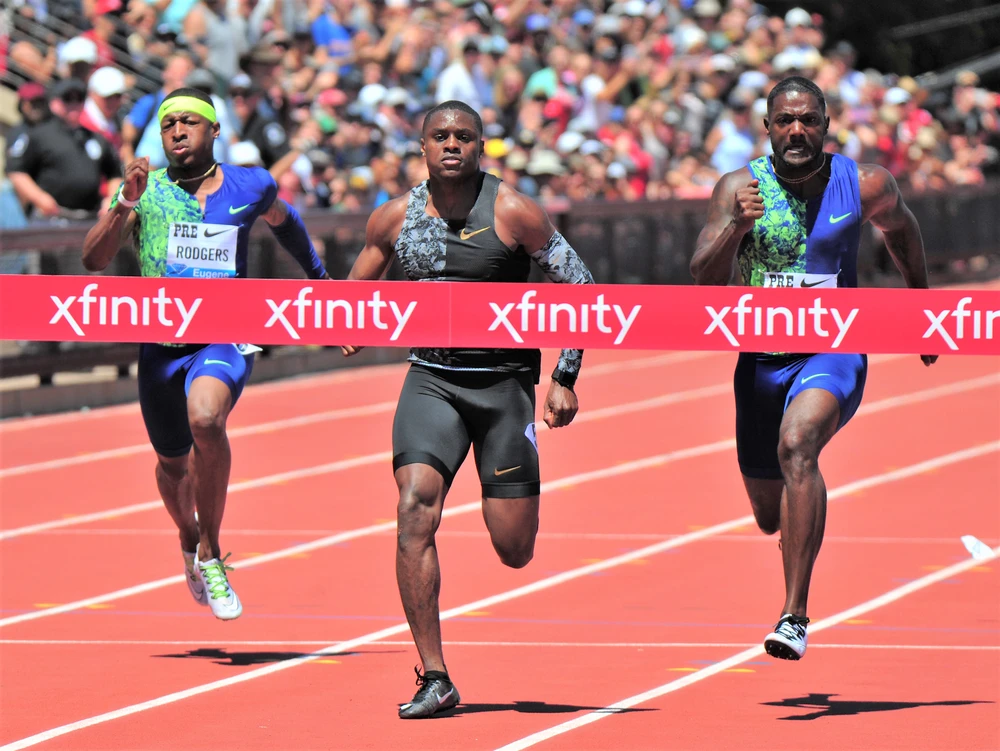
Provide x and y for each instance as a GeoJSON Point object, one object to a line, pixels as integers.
{"type": "Point", "coordinates": [125, 202]}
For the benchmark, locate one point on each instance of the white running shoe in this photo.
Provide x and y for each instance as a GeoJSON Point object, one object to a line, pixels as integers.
{"type": "Point", "coordinates": [788, 641]}
{"type": "Point", "coordinates": [221, 598]}
{"type": "Point", "coordinates": [195, 587]}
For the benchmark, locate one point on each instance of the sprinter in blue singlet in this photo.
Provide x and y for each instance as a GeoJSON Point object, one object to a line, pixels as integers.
{"type": "Point", "coordinates": [193, 219]}
{"type": "Point", "coordinates": [794, 219]}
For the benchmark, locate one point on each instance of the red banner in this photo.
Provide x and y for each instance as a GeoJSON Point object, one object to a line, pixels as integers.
{"type": "Point", "coordinates": [450, 314]}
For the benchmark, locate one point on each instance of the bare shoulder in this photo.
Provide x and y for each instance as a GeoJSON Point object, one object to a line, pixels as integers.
{"type": "Point", "coordinates": [725, 189]}
{"type": "Point", "coordinates": [520, 220]}
{"type": "Point", "coordinates": [874, 178]}
{"type": "Point", "coordinates": [878, 188]}
{"type": "Point", "coordinates": [743, 175]}
{"type": "Point", "coordinates": [514, 206]}
{"type": "Point", "coordinates": [394, 208]}
{"type": "Point", "coordinates": [730, 182]}
{"type": "Point", "coordinates": [386, 221]}
{"type": "Point", "coordinates": [736, 179]}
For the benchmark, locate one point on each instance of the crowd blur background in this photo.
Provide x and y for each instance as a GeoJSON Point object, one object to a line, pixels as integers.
{"type": "Point", "coordinates": [629, 100]}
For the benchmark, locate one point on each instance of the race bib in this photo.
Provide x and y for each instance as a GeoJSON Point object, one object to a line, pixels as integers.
{"type": "Point", "coordinates": [202, 250]}
{"type": "Point", "coordinates": [776, 279]}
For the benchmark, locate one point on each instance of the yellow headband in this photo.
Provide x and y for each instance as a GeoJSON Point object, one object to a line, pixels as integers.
{"type": "Point", "coordinates": [186, 104]}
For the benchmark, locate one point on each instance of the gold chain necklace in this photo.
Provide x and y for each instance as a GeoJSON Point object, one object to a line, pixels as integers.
{"type": "Point", "coordinates": [796, 180]}
{"type": "Point", "coordinates": [208, 173]}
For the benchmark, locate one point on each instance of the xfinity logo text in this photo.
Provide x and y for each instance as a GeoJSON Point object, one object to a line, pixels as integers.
{"type": "Point", "coordinates": [959, 330]}
{"type": "Point", "coordinates": [102, 309]}
{"type": "Point", "coordinates": [322, 314]}
{"type": "Point", "coordinates": [795, 321]}
{"type": "Point", "coordinates": [562, 317]}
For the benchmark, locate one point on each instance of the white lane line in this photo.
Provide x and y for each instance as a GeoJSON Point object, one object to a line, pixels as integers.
{"type": "Point", "coordinates": [346, 375]}
{"type": "Point", "coordinates": [387, 406]}
{"type": "Point", "coordinates": [565, 482]}
{"type": "Point", "coordinates": [537, 586]}
{"type": "Point", "coordinates": [205, 644]}
{"type": "Point", "coordinates": [738, 659]}
{"type": "Point", "coordinates": [339, 466]}
{"type": "Point", "coordinates": [751, 536]}
{"type": "Point", "coordinates": [364, 373]}
{"type": "Point", "coordinates": [947, 389]}
{"type": "Point", "coordinates": [236, 487]}
{"type": "Point", "coordinates": [144, 448]}
{"type": "Point", "coordinates": [325, 542]}
{"type": "Point", "coordinates": [365, 410]}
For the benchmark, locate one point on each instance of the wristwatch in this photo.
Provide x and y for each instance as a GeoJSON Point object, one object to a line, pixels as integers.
{"type": "Point", "coordinates": [564, 378]}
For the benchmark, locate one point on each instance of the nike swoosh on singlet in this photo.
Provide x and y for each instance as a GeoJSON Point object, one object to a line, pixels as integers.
{"type": "Point", "coordinates": [218, 362]}
{"type": "Point", "coordinates": [817, 375]}
{"type": "Point", "coordinates": [238, 209]}
{"type": "Point", "coordinates": [466, 235]}
{"type": "Point", "coordinates": [834, 220]}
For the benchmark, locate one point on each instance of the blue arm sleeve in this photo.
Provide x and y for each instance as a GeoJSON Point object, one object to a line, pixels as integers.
{"type": "Point", "coordinates": [294, 238]}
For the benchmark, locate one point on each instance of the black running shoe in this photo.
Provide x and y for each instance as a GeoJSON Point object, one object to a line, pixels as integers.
{"type": "Point", "coordinates": [436, 694]}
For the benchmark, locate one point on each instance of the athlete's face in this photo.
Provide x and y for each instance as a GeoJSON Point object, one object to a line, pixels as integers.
{"type": "Point", "coordinates": [452, 145]}
{"type": "Point", "coordinates": [797, 127]}
{"type": "Point", "coordinates": [188, 138]}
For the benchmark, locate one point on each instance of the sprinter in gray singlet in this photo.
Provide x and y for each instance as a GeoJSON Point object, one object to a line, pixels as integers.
{"type": "Point", "coordinates": [465, 225]}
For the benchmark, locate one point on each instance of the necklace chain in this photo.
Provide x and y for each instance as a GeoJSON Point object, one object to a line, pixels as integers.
{"type": "Point", "coordinates": [207, 173]}
{"type": "Point", "coordinates": [796, 180]}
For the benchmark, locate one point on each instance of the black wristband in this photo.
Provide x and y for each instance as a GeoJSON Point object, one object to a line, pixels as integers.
{"type": "Point", "coordinates": [563, 378]}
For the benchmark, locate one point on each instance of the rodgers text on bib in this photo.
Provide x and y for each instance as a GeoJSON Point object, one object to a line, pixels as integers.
{"type": "Point", "coordinates": [202, 250]}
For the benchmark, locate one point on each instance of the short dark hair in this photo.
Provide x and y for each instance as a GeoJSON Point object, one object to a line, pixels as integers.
{"type": "Point", "coordinates": [454, 105]}
{"type": "Point", "coordinates": [799, 84]}
{"type": "Point", "coordinates": [188, 91]}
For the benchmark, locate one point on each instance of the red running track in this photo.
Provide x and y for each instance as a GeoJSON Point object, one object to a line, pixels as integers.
{"type": "Point", "coordinates": [648, 577]}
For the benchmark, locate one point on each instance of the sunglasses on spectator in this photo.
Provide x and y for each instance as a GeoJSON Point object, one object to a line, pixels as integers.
{"type": "Point", "coordinates": [73, 99]}
{"type": "Point", "coordinates": [240, 93]}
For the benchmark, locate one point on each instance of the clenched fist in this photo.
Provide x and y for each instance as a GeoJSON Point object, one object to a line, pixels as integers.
{"type": "Point", "coordinates": [748, 206]}
{"type": "Point", "coordinates": [136, 175]}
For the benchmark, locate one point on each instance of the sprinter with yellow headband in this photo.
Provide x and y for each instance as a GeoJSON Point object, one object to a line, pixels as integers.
{"type": "Point", "coordinates": [193, 219]}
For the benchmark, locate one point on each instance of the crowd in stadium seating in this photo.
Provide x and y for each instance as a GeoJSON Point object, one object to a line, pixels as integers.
{"type": "Point", "coordinates": [586, 99]}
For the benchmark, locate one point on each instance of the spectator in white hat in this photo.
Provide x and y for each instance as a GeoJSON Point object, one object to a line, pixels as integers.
{"type": "Point", "coordinates": [105, 90]}
{"type": "Point", "coordinates": [245, 154]}
{"type": "Point", "coordinates": [803, 36]}
{"type": "Point", "coordinates": [77, 58]}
